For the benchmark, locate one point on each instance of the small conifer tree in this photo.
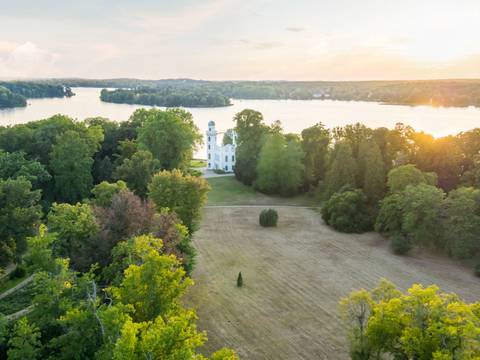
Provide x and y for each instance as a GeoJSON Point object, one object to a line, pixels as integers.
{"type": "Point", "coordinates": [239, 280]}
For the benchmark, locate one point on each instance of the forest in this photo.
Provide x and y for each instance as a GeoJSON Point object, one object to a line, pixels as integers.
{"type": "Point", "coordinates": [16, 93]}
{"type": "Point", "coordinates": [455, 93]}
{"type": "Point", "coordinates": [168, 97]}
{"type": "Point", "coordinates": [99, 216]}
{"type": "Point", "coordinates": [417, 190]}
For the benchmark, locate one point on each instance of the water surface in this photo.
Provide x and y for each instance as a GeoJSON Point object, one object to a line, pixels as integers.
{"type": "Point", "coordinates": [295, 115]}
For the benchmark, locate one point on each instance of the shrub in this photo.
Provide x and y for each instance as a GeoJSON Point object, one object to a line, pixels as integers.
{"type": "Point", "coordinates": [19, 272]}
{"type": "Point", "coordinates": [347, 211]}
{"type": "Point", "coordinates": [400, 244]}
{"type": "Point", "coordinates": [219, 171]}
{"type": "Point", "coordinates": [268, 218]}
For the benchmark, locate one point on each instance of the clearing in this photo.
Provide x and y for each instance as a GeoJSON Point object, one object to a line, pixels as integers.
{"type": "Point", "coordinates": [227, 190]}
{"type": "Point", "coordinates": [294, 276]}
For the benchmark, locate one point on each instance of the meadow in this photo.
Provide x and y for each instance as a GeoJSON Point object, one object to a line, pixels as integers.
{"type": "Point", "coordinates": [294, 275]}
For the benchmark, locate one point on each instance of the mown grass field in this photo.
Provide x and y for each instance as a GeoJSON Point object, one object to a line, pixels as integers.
{"type": "Point", "coordinates": [294, 276]}
{"type": "Point", "coordinates": [227, 190]}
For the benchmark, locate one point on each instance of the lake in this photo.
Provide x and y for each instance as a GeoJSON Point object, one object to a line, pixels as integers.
{"type": "Point", "coordinates": [295, 115]}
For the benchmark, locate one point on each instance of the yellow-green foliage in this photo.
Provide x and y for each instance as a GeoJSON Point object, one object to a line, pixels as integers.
{"type": "Point", "coordinates": [184, 194]}
{"type": "Point", "coordinates": [423, 323]}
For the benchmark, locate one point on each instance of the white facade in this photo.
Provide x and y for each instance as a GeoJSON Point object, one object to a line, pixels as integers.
{"type": "Point", "coordinates": [221, 157]}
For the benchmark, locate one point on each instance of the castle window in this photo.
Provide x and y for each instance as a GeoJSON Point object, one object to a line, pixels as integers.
{"type": "Point", "coordinates": [233, 158]}
{"type": "Point", "coordinates": [209, 165]}
{"type": "Point", "coordinates": [208, 146]}
{"type": "Point", "coordinates": [226, 168]}
{"type": "Point", "coordinates": [208, 156]}
{"type": "Point", "coordinates": [209, 139]}
{"type": "Point", "coordinates": [226, 158]}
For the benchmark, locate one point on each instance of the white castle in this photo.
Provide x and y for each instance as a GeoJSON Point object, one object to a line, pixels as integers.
{"type": "Point", "coordinates": [220, 157]}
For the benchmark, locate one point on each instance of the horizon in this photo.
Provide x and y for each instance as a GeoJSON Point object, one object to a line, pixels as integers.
{"type": "Point", "coordinates": [227, 40]}
{"type": "Point", "coordinates": [229, 80]}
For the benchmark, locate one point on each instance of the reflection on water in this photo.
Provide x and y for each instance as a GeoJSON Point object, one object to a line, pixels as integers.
{"type": "Point", "coordinates": [295, 115]}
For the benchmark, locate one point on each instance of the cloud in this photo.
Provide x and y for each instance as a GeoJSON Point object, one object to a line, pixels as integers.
{"type": "Point", "coordinates": [295, 29]}
{"type": "Point", "coordinates": [26, 60]}
{"type": "Point", "coordinates": [261, 45]}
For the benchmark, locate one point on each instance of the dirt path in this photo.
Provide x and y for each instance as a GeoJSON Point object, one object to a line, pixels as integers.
{"type": "Point", "coordinates": [16, 287]}
{"type": "Point", "coordinates": [294, 276]}
{"type": "Point", "coordinates": [8, 269]}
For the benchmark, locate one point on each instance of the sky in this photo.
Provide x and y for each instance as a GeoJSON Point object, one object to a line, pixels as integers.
{"type": "Point", "coordinates": [241, 39]}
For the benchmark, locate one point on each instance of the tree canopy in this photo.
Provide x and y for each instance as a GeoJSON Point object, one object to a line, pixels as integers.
{"type": "Point", "coordinates": [170, 135]}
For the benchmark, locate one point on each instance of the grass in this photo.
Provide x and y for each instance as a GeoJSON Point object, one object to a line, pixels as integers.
{"type": "Point", "coordinates": [293, 278]}
{"type": "Point", "coordinates": [227, 190]}
{"type": "Point", "coordinates": [196, 163]}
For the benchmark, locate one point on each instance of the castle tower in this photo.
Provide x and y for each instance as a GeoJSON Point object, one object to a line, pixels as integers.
{"type": "Point", "coordinates": [211, 135]}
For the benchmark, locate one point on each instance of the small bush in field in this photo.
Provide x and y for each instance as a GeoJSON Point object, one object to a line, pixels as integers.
{"type": "Point", "coordinates": [268, 218]}
{"type": "Point", "coordinates": [400, 244]}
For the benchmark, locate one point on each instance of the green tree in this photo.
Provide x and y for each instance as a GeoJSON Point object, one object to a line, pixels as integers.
{"type": "Point", "coordinates": [19, 213]}
{"type": "Point", "coordinates": [461, 218]}
{"type": "Point", "coordinates": [353, 135]}
{"type": "Point", "coordinates": [342, 169]}
{"type": "Point", "coordinates": [291, 169]}
{"type": "Point", "coordinates": [25, 341]}
{"type": "Point", "coordinates": [442, 156]}
{"type": "Point", "coordinates": [280, 167]}
{"type": "Point", "coordinates": [424, 323]}
{"type": "Point", "coordinates": [183, 194]}
{"type": "Point", "coordinates": [250, 130]}
{"type": "Point", "coordinates": [268, 168]}
{"type": "Point", "coordinates": [228, 137]}
{"type": "Point", "coordinates": [400, 177]}
{"type": "Point", "coordinates": [14, 165]}
{"type": "Point", "coordinates": [138, 171]}
{"type": "Point", "coordinates": [104, 192]}
{"type": "Point", "coordinates": [153, 287]}
{"type": "Point", "coordinates": [389, 219]}
{"type": "Point", "coordinates": [113, 133]}
{"type": "Point", "coordinates": [315, 142]}
{"type": "Point", "coordinates": [76, 227]}
{"type": "Point", "coordinates": [421, 206]}
{"type": "Point", "coordinates": [170, 339]}
{"type": "Point", "coordinates": [471, 177]}
{"type": "Point", "coordinates": [371, 171]}
{"type": "Point", "coordinates": [346, 211]}
{"type": "Point", "coordinates": [39, 256]}
{"type": "Point", "coordinates": [71, 163]}
{"type": "Point", "coordinates": [170, 135]}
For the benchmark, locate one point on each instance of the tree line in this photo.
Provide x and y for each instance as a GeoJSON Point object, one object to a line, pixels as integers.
{"type": "Point", "coordinates": [16, 93]}
{"type": "Point", "coordinates": [168, 97]}
{"type": "Point", "coordinates": [102, 213]}
{"type": "Point", "coordinates": [457, 93]}
{"type": "Point", "coordinates": [416, 189]}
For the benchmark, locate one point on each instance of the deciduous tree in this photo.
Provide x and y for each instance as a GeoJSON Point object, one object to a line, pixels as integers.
{"type": "Point", "coordinates": [183, 194]}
